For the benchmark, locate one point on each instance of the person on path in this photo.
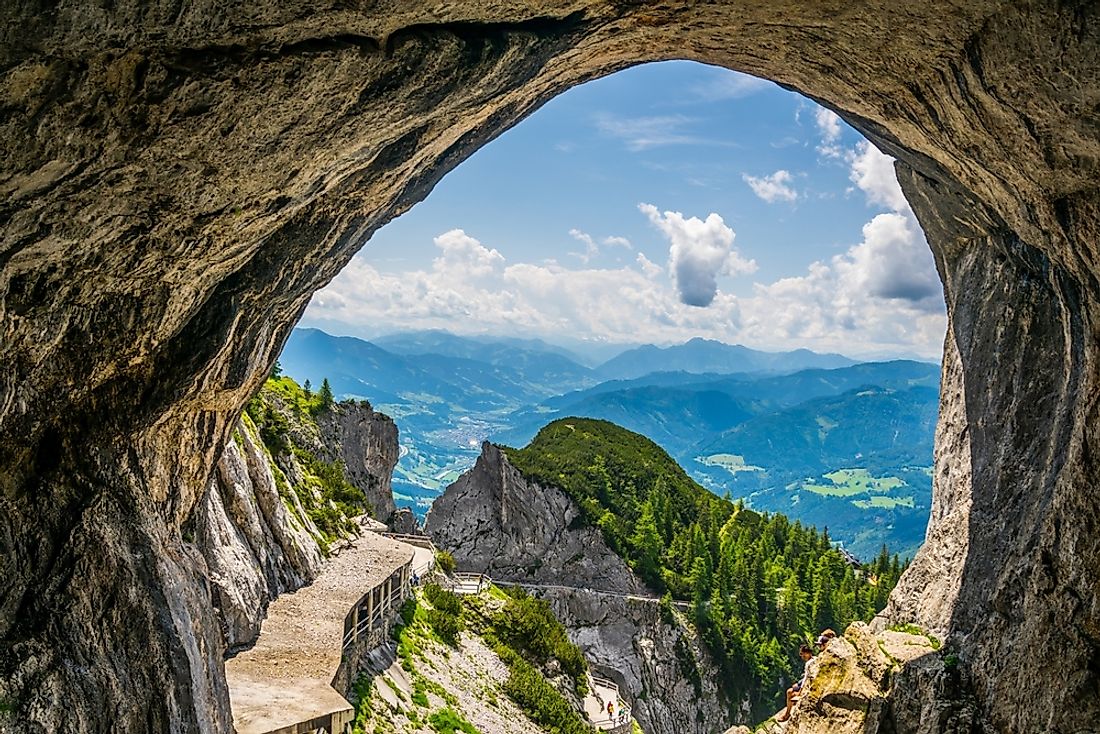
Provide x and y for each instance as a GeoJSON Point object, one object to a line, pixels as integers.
{"type": "Point", "coordinates": [611, 710]}
{"type": "Point", "coordinates": [795, 691]}
{"type": "Point", "coordinates": [824, 639]}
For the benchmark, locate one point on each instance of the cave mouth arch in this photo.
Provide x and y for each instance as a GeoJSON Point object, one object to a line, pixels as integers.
{"type": "Point", "coordinates": [473, 258]}
{"type": "Point", "coordinates": [177, 186]}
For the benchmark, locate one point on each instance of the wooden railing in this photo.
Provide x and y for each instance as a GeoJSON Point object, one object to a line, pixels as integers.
{"type": "Point", "coordinates": [421, 541]}
{"type": "Point", "coordinates": [374, 606]}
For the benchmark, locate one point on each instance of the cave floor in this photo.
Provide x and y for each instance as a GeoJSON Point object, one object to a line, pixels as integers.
{"type": "Point", "coordinates": [285, 678]}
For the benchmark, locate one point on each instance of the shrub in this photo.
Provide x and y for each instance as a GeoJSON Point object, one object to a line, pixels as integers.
{"type": "Point", "coordinates": [527, 625]}
{"type": "Point", "coordinates": [449, 721]}
{"type": "Point", "coordinates": [446, 561]}
{"type": "Point", "coordinates": [540, 700]}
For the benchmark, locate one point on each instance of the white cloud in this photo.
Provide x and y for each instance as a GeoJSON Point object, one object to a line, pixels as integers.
{"type": "Point", "coordinates": [699, 251]}
{"type": "Point", "coordinates": [828, 125]}
{"type": "Point", "coordinates": [722, 84]}
{"type": "Point", "coordinates": [649, 268]}
{"type": "Point", "coordinates": [873, 172]}
{"type": "Point", "coordinates": [772, 188]}
{"type": "Point", "coordinates": [592, 248]}
{"type": "Point", "coordinates": [465, 255]}
{"type": "Point", "coordinates": [642, 133]}
{"type": "Point", "coordinates": [828, 122]}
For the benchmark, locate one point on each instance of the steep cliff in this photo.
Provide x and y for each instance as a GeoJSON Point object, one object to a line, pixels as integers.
{"type": "Point", "coordinates": [495, 521]}
{"type": "Point", "coordinates": [284, 489]}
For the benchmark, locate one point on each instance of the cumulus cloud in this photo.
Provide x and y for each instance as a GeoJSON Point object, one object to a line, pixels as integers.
{"type": "Point", "coordinates": [699, 251]}
{"type": "Point", "coordinates": [464, 255]}
{"type": "Point", "coordinates": [649, 268]}
{"type": "Point", "coordinates": [772, 188]}
{"type": "Point", "coordinates": [828, 125]}
{"type": "Point", "coordinates": [873, 172]}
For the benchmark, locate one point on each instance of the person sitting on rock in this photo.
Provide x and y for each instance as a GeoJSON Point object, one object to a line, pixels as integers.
{"type": "Point", "coordinates": [824, 639]}
{"type": "Point", "coordinates": [795, 691]}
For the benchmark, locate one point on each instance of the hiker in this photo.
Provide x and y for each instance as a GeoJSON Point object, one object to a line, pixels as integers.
{"type": "Point", "coordinates": [610, 710]}
{"type": "Point", "coordinates": [824, 639]}
{"type": "Point", "coordinates": [795, 691]}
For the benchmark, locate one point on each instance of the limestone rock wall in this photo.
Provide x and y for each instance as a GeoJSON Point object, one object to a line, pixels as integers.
{"type": "Point", "coordinates": [365, 441]}
{"type": "Point", "coordinates": [661, 667]}
{"type": "Point", "coordinates": [494, 521]}
{"type": "Point", "coordinates": [177, 179]}
{"type": "Point", "coordinates": [256, 545]}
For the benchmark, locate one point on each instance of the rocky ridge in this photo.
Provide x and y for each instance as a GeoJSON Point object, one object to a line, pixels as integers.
{"type": "Point", "coordinates": [494, 521]}
{"type": "Point", "coordinates": [254, 526]}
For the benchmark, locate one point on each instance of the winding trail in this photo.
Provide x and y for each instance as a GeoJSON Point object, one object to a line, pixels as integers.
{"type": "Point", "coordinates": [284, 680]}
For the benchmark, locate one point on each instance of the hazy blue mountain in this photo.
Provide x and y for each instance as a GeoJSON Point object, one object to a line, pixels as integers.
{"type": "Point", "coordinates": [705, 355]}
{"type": "Point", "coordinates": [870, 427]}
{"type": "Point", "coordinates": [532, 364]}
{"type": "Point", "coordinates": [668, 407]}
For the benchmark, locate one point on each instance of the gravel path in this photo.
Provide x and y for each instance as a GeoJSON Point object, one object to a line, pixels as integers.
{"type": "Point", "coordinates": [285, 677]}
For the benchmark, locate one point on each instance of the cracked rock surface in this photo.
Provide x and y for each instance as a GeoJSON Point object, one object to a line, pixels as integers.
{"type": "Point", "coordinates": [177, 178]}
{"type": "Point", "coordinates": [494, 521]}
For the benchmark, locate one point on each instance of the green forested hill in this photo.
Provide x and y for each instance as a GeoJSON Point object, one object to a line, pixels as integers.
{"type": "Point", "coordinates": [759, 584]}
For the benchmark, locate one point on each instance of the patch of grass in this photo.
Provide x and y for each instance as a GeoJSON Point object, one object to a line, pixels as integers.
{"type": "Point", "coordinates": [733, 463]}
{"type": "Point", "coordinates": [445, 616]}
{"type": "Point", "coordinates": [912, 629]}
{"type": "Point", "coordinates": [361, 694]}
{"type": "Point", "coordinates": [542, 703]}
{"type": "Point", "coordinates": [878, 502]}
{"type": "Point", "coordinates": [449, 721]}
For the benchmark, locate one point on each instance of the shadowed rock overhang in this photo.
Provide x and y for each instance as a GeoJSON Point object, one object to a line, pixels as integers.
{"type": "Point", "coordinates": [176, 180]}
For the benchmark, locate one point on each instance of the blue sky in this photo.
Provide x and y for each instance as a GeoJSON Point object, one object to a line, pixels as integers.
{"type": "Point", "coordinates": [667, 201]}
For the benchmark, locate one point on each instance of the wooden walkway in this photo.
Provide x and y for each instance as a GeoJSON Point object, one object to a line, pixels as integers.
{"type": "Point", "coordinates": [282, 684]}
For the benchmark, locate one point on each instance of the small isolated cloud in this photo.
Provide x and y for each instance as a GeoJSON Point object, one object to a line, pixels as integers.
{"type": "Point", "coordinates": [699, 251]}
{"type": "Point", "coordinates": [642, 133]}
{"type": "Point", "coordinates": [592, 248]}
{"type": "Point", "coordinates": [873, 172]}
{"type": "Point", "coordinates": [828, 125]}
{"type": "Point", "coordinates": [772, 188]}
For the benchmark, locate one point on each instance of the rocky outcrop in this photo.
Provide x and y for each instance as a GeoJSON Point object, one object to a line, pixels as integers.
{"type": "Point", "coordinates": [652, 653]}
{"type": "Point", "coordinates": [252, 526]}
{"type": "Point", "coordinates": [176, 182]}
{"type": "Point", "coordinates": [854, 686]}
{"type": "Point", "coordinates": [495, 521]}
{"type": "Point", "coordinates": [256, 542]}
{"type": "Point", "coordinates": [365, 441]}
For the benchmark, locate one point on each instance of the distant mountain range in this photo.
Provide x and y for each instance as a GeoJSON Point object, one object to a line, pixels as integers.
{"type": "Point", "coordinates": [705, 355]}
{"type": "Point", "coordinates": [819, 437]}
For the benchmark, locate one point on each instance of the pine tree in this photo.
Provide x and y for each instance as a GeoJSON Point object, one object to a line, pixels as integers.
{"type": "Point", "coordinates": [308, 389]}
{"type": "Point", "coordinates": [648, 543]}
{"type": "Point", "coordinates": [325, 393]}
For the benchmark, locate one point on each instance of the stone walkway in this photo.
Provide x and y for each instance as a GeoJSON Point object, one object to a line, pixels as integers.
{"type": "Point", "coordinates": [595, 707]}
{"type": "Point", "coordinates": [285, 678]}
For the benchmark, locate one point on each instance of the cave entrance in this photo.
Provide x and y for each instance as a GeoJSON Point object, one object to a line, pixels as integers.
{"type": "Point", "coordinates": [660, 204]}
{"type": "Point", "coordinates": [176, 188]}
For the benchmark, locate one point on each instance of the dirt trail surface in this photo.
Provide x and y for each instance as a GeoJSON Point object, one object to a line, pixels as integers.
{"type": "Point", "coordinates": [285, 677]}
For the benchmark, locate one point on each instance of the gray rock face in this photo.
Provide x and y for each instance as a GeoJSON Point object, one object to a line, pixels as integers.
{"type": "Point", "coordinates": [255, 549]}
{"type": "Point", "coordinates": [672, 682]}
{"type": "Point", "coordinates": [177, 180]}
{"type": "Point", "coordinates": [494, 521]}
{"type": "Point", "coordinates": [404, 521]}
{"type": "Point", "coordinates": [366, 442]}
